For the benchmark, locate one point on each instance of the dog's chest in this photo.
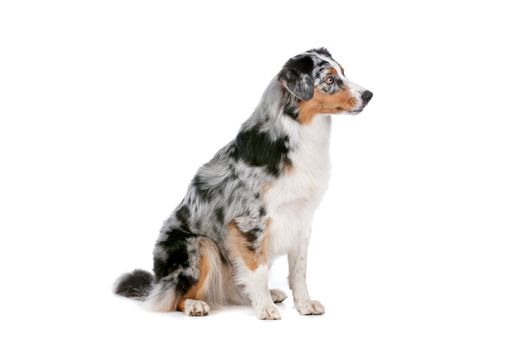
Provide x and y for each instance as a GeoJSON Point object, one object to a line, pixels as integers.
{"type": "Point", "coordinates": [293, 197]}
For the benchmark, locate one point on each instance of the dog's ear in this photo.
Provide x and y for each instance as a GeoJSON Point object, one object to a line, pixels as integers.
{"type": "Point", "coordinates": [296, 77]}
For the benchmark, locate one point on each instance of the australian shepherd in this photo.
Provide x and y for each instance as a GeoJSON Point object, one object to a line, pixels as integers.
{"type": "Point", "coordinates": [253, 201]}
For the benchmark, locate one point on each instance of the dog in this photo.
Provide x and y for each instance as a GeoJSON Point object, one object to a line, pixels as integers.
{"type": "Point", "coordinates": [254, 201]}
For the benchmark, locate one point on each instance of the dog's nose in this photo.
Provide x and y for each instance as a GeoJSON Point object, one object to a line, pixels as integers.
{"type": "Point", "coordinates": [366, 96]}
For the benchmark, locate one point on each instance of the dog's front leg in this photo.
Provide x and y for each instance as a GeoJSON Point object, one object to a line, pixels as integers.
{"type": "Point", "coordinates": [255, 285]}
{"type": "Point", "coordinates": [297, 279]}
{"type": "Point", "coordinates": [250, 263]}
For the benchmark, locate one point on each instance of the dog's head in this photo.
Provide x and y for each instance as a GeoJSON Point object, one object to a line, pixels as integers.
{"type": "Point", "coordinates": [316, 84]}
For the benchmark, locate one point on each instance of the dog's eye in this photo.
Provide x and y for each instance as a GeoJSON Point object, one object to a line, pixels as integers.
{"type": "Point", "coordinates": [329, 80]}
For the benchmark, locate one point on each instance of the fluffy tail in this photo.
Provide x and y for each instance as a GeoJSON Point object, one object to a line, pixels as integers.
{"type": "Point", "coordinates": [137, 284]}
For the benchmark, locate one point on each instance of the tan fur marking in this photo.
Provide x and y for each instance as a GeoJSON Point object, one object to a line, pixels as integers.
{"type": "Point", "coordinates": [239, 246]}
{"type": "Point", "coordinates": [197, 291]}
{"type": "Point", "coordinates": [322, 103]}
{"type": "Point", "coordinates": [333, 71]}
{"type": "Point", "coordinates": [265, 188]}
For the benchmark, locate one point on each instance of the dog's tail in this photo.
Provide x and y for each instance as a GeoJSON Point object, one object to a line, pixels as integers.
{"type": "Point", "coordinates": [136, 284]}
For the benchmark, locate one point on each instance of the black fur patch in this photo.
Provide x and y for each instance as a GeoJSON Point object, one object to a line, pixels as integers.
{"type": "Point", "coordinates": [297, 77]}
{"type": "Point", "coordinates": [184, 283]}
{"type": "Point", "coordinates": [219, 214]}
{"type": "Point", "coordinates": [301, 64]}
{"type": "Point", "coordinates": [251, 238]}
{"type": "Point", "coordinates": [183, 215]}
{"type": "Point", "coordinates": [252, 235]}
{"type": "Point", "coordinates": [176, 248]}
{"type": "Point", "coordinates": [258, 149]}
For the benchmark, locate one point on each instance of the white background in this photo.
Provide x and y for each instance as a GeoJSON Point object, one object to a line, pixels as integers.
{"type": "Point", "coordinates": [108, 108]}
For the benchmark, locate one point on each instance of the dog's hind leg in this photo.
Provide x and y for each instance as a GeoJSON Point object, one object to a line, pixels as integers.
{"type": "Point", "coordinates": [190, 271]}
{"type": "Point", "coordinates": [209, 287]}
{"type": "Point", "coordinates": [278, 296]}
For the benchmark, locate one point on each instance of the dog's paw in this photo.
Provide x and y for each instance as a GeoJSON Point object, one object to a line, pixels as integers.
{"type": "Point", "coordinates": [310, 307]}
{"type": "Point", "coordinates": [270, 312]}
{"type": "Point", "coordinates": [196, 308]}
{"type": "Point", "coordinates": [278, 296]}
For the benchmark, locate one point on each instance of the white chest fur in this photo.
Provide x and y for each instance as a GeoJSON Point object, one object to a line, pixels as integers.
{"type": "Point", "coordinates": [293, 197]}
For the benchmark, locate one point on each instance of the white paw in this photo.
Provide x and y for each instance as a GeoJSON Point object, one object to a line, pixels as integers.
{"type": "Point", "coordinates": [196, 308]}
{"type": "Point", "coordinates": [310, 307]}
{"type": "Point", "coordinates": [278, 296]}
{"type": "Point", "coordinates": [270, 312]}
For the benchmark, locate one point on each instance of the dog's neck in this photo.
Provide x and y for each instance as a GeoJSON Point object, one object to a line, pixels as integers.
{"type": "Point", "coordinates": [272, 115]}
